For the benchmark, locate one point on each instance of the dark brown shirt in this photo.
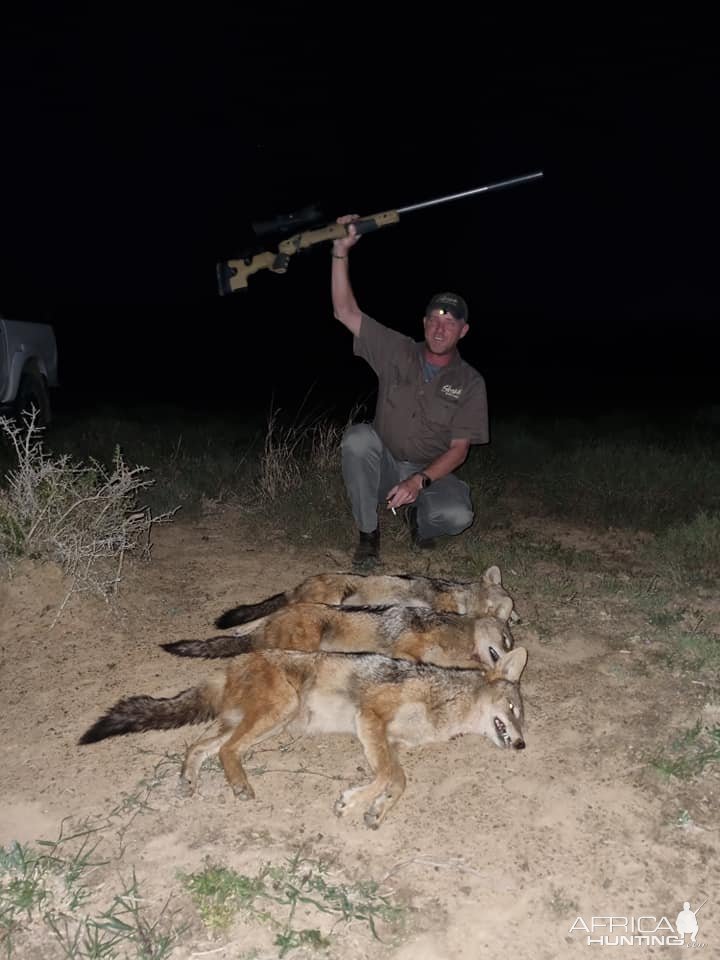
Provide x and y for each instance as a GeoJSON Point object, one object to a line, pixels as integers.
{"type": "Point", "coordinates": [417, 420]}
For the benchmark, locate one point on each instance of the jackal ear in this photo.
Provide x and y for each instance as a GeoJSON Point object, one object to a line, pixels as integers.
{"type": "Point", "coordinates": [512, 664]}
{"type": "Point", "coordinates": [492, 576]}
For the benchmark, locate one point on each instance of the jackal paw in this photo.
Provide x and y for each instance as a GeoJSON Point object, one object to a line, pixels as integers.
{"type": "Point", "coordinates": [345, 802]}
{"type": "Point", "coordinates": [349, 798]}
{"type": "Point", "coordinates": [243, 791]}
{"type": "Point", "coordinates": [185, 788]}
{"type": "Point", "coordinates": [375, 813]}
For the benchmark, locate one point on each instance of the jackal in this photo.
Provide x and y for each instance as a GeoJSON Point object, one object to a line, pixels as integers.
{"type": "Point", "coordinates": [486, 596]}
{"type": "Point", "coordinates": [404, 632]}
{"type": "Point", "coordinates": [384, 703]}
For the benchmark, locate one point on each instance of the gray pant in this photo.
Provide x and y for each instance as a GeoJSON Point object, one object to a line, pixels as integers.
{"type": "Point", "coordinates": [370, 470]}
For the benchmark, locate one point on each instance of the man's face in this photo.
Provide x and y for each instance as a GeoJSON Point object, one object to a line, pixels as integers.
{"type": "Point", "coordinates": [442, 332]}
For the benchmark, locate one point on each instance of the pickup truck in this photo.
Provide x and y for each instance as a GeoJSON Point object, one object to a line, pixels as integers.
{"type": "Point", "coordinates": [28, 369]}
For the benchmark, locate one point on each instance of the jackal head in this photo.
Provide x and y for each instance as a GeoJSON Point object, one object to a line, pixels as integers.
{"type": "Point", "coordinates": [492, 599]}
{"type": "Point", "coordinates": [502, 712]}
{"type": "Point", "coordinates": [492, 640]}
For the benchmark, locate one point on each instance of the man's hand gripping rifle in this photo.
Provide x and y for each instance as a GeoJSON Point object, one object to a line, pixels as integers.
{"type": "Point", "coordinates": [233, 275]}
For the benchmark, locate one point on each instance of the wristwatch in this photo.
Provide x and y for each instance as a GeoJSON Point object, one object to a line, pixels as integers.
{"type": "Point", "coordinates": [426, 481]}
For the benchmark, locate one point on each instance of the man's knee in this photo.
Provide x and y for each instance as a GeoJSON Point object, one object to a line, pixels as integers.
{"type": "Point", "coordinates": [457, 517]}
{"type": "Point", "coordinates": [450, 517]}
{"type": "Point", "coordinates": [359, 441]}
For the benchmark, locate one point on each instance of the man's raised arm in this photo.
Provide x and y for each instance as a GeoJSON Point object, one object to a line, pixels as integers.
{"type": "Point", "coordinates": [344, 303]}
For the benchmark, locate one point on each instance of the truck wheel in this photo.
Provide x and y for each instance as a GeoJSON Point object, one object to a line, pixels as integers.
{"type": "Point", "coordinates": [33, 392]}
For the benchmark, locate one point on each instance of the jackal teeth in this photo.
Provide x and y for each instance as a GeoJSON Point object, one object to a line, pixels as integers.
{"type": "Point", "coordinates": [502, 731]}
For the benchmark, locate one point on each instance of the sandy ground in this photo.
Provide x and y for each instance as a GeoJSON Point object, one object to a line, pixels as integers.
{"type": "Point", "coordinates": [491, 853]}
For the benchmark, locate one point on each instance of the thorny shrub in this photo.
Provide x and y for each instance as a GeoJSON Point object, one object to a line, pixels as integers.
{"type": "Point", "coordinates": [83, 516]}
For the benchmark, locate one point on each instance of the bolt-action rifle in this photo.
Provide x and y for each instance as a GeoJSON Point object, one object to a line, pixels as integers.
{"type": "Point", "coordinates": [233, 275]}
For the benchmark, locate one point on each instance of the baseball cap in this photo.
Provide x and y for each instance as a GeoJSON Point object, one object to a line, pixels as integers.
{"type": "Point", "coordinates": [450, 303]}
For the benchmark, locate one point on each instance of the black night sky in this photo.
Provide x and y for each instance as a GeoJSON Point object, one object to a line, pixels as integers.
{"type": "Point", "coordinates": [141, 144]}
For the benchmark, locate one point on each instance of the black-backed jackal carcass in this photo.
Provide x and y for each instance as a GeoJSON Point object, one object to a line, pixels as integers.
{"type": "Point", "coordinates": [484, 597]}
{"type": "Point", "coordinates": [384, 703]}
{"type": "Point", "coordinates": [414, 633]}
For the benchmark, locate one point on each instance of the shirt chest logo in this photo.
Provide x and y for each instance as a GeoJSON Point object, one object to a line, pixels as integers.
{"type": "Point", "coordinates": [452, 392]}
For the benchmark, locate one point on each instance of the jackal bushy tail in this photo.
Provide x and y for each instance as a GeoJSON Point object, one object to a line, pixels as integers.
{"type": "Point", "coordinates": [211, 649]}
{"type": "Point", "coordinates": [251, 611]}
{"type": "Point", "coordinates": [137, 714]}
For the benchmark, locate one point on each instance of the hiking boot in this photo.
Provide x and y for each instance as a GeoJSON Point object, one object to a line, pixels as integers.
{"type": "Point", "coordinates": [367, 552]}
{"type": "Point", "coordinates": [417, 540]}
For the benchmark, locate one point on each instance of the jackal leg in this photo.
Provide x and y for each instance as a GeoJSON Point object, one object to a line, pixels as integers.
{"type": "Point", "coordinates": [385, 790]}
{"type": "Point", "coordinates": [194, 757]}
{"type": "Point", "coordinates": [260, 721]}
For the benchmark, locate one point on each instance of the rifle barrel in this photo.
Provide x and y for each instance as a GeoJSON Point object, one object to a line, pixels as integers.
{"type": "Point", "coordinates": [467, 193]}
